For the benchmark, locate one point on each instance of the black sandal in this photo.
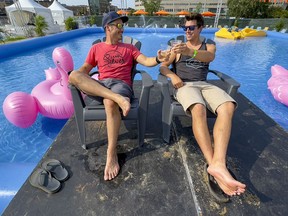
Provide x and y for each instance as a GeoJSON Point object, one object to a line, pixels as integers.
{"type": "Point", "coordinates": [214, 188]}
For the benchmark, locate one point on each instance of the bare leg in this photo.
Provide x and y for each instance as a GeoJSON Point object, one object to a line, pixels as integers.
{"type": "Point", "coordinates": [216, 158]}
{"type": "Point", "coordinates": [113, 125]}
{"type": "Point", "coordinates": [200, 130]}
{"type": "Point", "coordinates": [91, 87]}
{"type": "Point", "coordinates": [217, 167]}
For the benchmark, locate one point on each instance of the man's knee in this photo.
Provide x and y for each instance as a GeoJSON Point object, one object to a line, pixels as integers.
{"type": "Point", "coordinates": [198, 110]}
{"type": "Point", "coordinates": [230, 106]}
{"type": "Point", "coordinates": [110, 105]}
{"type": "Point", "coordinates": [76, 77]}
{"type": "Point", "coordinates": [226, 108]}
{"type": "Point", "coordinates": [73, 77]}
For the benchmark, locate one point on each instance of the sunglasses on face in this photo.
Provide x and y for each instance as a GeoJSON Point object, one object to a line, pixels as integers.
{"type": "Point", "coordinates": [191, 28]}
{"type": "Point", "coordinates": [118, 25]}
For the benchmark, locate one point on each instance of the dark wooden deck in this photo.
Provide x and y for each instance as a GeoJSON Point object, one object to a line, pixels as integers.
{"type": "Point", "coordinates": [162, 179]}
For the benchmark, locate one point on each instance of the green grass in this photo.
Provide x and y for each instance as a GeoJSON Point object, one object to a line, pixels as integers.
{"type": "Point", "coordinates": [13, 39]}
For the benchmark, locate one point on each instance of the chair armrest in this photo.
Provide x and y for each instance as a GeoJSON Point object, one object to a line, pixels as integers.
{"type": "Point", "coordinates": [147, 84]}
{"type": "Point", "coordinates": [162, 80]}
{"type": "Point", "coordinates": [165, 92]}
{"type": "Point", "coordinates": [232, 85]}
{"type": "Point", "coordinates": [164, 86]}
{"type": "Point", "coordinates": [147, 81]}
{"type": "Point", "coordinates": [77, 98]}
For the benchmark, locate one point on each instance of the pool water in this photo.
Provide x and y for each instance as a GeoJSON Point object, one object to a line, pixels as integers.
{"type": "Point", "coordinates": [248, 61]}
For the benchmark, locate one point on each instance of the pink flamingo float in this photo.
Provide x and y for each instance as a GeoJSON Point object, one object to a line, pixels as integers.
{"type": "Point", "coordinates": [278, 84]}
{"type": "Point", "coordinates": [51, 97]}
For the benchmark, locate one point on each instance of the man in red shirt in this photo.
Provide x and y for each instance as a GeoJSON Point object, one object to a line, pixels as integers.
{"type": "Point", "coordinates": [114, 60]}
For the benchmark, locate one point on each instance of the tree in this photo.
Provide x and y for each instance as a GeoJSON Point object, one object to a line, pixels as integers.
{"type": "Point", "coordinates": [151, 6]}
{"type": "Point", "coordinates": [198, 7]}
{"type": "Point", "coordinates": [248, 8]}
{"type": "Point", "coordinates": [1, 36]}
{"type": "Point", "coordinates": [280, 25]}
{"type": "Point", "coordinates": [40, 26]}
{"type": "Point", "coordinates": [240, 8]}
{"type": "Point", "coordinates": [278, 12]}
{"type": "Point", "coordinates": [92, 20]}
{"type": "Point", "coordinates": [262, 10]}
{"type": "Point", "coordinates": [70, 24]}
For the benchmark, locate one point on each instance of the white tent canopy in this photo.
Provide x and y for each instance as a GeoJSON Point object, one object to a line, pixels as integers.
{"type": "Point", "coordinates": [22, 13]}
{"type": "Point", "coordinates": [60, 13]}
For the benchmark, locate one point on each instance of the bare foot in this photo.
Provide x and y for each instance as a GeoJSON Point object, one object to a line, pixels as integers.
{"type": "Point", "coordinates": [124, 104]}
{"type": "Point", "coordinates": [226, 182]}
{"type": "Point", "coordinates": [112, 167]}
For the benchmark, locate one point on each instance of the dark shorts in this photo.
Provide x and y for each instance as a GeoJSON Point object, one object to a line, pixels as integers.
{"type": "Point", "coordinates": [117, 86]}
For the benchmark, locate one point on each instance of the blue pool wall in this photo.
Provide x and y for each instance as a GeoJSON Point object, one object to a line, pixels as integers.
{"type": "Point", "coordinates": [8, 50]}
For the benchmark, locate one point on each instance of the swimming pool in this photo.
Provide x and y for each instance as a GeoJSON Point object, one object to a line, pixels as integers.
{"type": "Point", "coordinates": [248, 61]}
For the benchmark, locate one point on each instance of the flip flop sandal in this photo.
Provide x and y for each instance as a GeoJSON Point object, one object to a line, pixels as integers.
{"type": "Point", "coordinates": [43, 180]}
{"type": "Point", "coordinates": [214, 188]}
{"type": "Point", "coordinates": [56, 169]}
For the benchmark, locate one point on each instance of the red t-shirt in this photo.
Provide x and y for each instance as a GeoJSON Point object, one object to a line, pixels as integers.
{"type": "Point", "coordinates": [113, 61]}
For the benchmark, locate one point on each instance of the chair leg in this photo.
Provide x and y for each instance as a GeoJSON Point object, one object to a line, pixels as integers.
{"type": "Point", "coordinates": [167, 116]}
{"type": "Point", "coordinates": [141, 127]}
{"type": "Point", "coordinates": [82, 133]}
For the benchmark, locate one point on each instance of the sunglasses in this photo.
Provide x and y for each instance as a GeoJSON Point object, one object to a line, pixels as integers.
{"type": "Point", "coordinates": [118, 25]}
{"type": "Point", "coordinates": [191, 28]}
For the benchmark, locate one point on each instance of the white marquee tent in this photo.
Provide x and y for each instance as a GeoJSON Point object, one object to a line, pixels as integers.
{"type": "Point", "coordinates": [22, 13]}
{"type": "Point", "coordinates": [59, 13]}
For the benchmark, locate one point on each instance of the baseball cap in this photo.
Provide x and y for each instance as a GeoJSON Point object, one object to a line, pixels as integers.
{"type": "Point", "coordinates": [112, 16]}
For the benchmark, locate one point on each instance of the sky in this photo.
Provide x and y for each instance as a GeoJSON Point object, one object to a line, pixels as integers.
{"type": "Point", "coordinates": [130, 3]}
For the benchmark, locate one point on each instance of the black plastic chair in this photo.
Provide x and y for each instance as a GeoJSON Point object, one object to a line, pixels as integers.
{"type": "Point", "coordinates": [85, 111]}
{"type": "Point", "coordinates": [172, 108]}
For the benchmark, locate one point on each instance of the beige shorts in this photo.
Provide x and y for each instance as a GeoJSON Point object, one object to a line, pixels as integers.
{"type": "Point", "coordinates": [201, 92]}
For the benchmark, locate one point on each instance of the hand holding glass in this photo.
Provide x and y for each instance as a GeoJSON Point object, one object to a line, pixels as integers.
{"type": "Point", "coordinates": [175, 42]}
{"type": "Point", "coordinates": [165, 49]}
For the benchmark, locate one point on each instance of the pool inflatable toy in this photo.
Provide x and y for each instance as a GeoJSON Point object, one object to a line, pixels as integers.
{"type": "Point", "coordinates": [52, 74]}
{"type": "Point", "coordinates": [235, 35]}
{"type": "Point", "coordinates": [51, 97]}
{"type": "Point", "coordinates": [226, 33]}
{"type": "Point", "coordinates": [278, 84]}
{"type": "Point", "coordinates": [20, 109]}
{"type": "Point", "coordinates": [248, 32]}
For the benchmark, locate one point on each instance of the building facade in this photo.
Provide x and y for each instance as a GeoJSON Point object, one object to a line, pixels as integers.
{"type": "Point", "coordinates": [98, 7]}
{"type": "Point", "coordinates": [4, 4]}
{"type": "Point", "coordinates": [138, 5]}
{"type": "Point", "coordinates": [174, 6]}
{"type": "Point", "coordinates": [276, 2]}
{"type": "Point", "coordinates": [45, 3]}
